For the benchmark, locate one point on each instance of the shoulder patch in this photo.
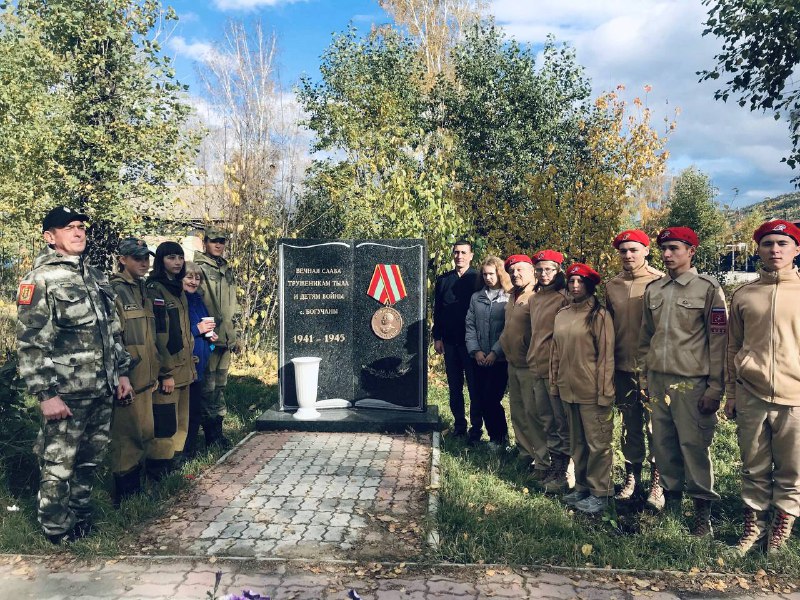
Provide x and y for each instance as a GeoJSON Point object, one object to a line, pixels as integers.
{"type": "Point", "coordinates": [25, 293]}
{"type": "Point", "coordinates": [719, 321]}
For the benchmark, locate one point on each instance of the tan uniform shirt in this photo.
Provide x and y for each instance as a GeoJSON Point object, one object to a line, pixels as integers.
{"type": "Point", "coordinates": [684, 327]}
{"type": "Point", "coordinates": [624, 300]}
{"type": "Point", "coordinates": [764, 338]}
{"type": "Point", "coordinates": [543, 306]}
{"type": "Point", "coordinates": [582, 359]}
{"type": "Point", "coordinates": [516, 336]}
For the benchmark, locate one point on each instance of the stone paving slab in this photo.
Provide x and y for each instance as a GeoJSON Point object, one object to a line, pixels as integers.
{"type": "Point", "coordinates": [304, 495]}
{"type": "Point", "coordinates": [192, 579]}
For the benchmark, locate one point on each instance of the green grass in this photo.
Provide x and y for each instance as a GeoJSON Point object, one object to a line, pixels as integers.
{"type": "Point", "coordinates": [247, 398]}
{"type": "Point", "coordinates": [490, 513]}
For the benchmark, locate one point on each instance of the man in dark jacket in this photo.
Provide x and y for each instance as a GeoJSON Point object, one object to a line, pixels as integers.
{"type": "Point", "coordinates": [450, 305]}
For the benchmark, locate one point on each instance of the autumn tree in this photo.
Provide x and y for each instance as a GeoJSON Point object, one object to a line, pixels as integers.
{"type": "Point", "coordinates": [254, 166]}
{"type": "Point", "coordinates": [385, 173]}
{"type": "Point", "coordinates": [580, 211]}
{"type": "Point", "coordinates": [437, 26]}
{"type": "Point", "coordinates": [692, 204]}
{"type": "Point", "coordinates": [93, 114]}
{"type": "Point", "coordinates": [760, 53]}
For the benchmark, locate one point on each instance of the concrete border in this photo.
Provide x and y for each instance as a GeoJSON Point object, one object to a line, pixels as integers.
{"type": "Point", "coordinates": [433, 493]}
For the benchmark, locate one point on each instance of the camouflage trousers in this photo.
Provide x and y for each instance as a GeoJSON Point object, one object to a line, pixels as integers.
{"type": "Point", "coordinates": [214, 381]}
{"type": "Point", "coordinates": [69, 452]}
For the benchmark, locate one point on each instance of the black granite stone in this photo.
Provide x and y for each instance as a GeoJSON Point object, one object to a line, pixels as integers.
{"type": "Point", "coordinates": [316, 315]}
{"type": "Point", "coordinates": [358, 420]}
{"type": "Point", "coordinates": [327, 312]}
{"type": "Point", "coordinates": [390, 371]}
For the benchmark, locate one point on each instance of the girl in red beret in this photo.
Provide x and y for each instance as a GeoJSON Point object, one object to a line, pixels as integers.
{"type": "Point", "coordinates": [550, 297]}
{"type": "Point", "coordinates": [582, 376]}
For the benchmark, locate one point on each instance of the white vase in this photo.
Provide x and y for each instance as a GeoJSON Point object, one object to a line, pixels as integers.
{"type": "Point", "coordinates": [306, 376]}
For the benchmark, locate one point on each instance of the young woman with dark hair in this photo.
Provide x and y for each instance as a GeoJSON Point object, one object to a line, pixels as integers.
{"type": "Point", "coordinates": [582, 376]}
{"type": "Point", "coordinates": [175, 344]}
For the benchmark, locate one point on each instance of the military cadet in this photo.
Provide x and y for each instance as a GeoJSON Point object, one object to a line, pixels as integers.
{"type": "Point", "coordinates": [582, 376]}
{"type": "Point", "coordinates": [219, 293]}
{"type": "Point", "coordinates": [451, 297]}
{"type": "Point", "coordinates": [550, 296]}
{"type": "Point", "coordinates": [624, 295]}
{"type": "Point", "coordinates": [132, 425]}
{"type": "Point", "coordinates": [763, 388]}
{"type": "Point", "coordinates": [682, 351]}
{"type": "Point", "coordinates": [72, 360]}
{"type": "Point", "coordinates": [515, 341]}
{"type": "Point", "coordinates": [175, 344]}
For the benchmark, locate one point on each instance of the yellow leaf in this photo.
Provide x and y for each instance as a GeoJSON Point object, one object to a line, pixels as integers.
{"type": "Point", "coordinates": [586, 549]}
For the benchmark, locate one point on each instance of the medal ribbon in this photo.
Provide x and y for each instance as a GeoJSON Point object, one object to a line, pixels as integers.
{"type": "Point", "coordinates": [386, 285]}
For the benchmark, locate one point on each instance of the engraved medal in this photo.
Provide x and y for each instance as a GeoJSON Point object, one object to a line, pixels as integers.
{"type": "Point", "coordinates": [387, 287]}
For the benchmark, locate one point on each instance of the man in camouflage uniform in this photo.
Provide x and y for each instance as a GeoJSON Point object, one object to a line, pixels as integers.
{"type": "Point", "coordinates": [219, 294]}
{"type": "Point", "coordinates": [71, 358]}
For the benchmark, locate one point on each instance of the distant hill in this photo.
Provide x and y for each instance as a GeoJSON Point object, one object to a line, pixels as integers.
{"type": "Point", "coordinates": [785, 206]}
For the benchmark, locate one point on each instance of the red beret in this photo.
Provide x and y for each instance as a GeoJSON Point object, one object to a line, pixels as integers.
{"type": "Point", "coordinates": [631, 235]}
{"type": "Point", "coordinates": [584, 271]}
{"type": "Point", "coordinates": [517, 258]}
{"type": "Point", "coordinates": [678, 234]}
{"type": "Point", "coordinates": [556, 257]}
{"type": "Point", "coordinates": [780, 227]}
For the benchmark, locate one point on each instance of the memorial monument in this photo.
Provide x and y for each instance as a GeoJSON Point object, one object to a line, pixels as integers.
{"type": "Point", "coordinates": [360, 306]}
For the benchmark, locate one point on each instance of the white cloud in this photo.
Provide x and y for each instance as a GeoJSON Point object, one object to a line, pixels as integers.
{"type": "Point", "coordinates": [199, 51]}
{"type": "Point", "coordinates": [660, 42]}
{"type": "Point", "coordinates": [250, 4]}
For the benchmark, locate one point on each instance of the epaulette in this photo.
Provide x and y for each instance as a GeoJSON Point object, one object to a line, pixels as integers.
{"type": "Point", "coordinates": [710, 278]}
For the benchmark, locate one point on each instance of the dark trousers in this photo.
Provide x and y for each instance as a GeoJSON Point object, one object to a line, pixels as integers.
{"type": "Point", "coordinates": [195, 409]}
{"type": "Point", "coordinates": [490, 385]}
{"type": "Point", "coordinates": [458, 365]}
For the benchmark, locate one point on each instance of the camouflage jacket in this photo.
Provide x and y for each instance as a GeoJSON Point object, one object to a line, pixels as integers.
{"type": "Point", "coordinates": [174, 338]}
{"type": "Point", "coordinates": [68, 333]}
{"type": "Point", "coordinates": [219, 289]}
{"type": "Point", "coordinates": [135, 312]}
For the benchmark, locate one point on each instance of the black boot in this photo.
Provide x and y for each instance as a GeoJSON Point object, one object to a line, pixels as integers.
{"type": "Point", "coordinates": [214, 435]}
{"type": "Point", "coordinates": [190, 448]}
{"type": "Point", "coordinates": [157, 468]}
{"type": "Point", "coordinates": [126, 485]}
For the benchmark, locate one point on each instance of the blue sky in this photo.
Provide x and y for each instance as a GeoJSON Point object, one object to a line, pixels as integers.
{"type": "Point", "coordinates": [635, 43]}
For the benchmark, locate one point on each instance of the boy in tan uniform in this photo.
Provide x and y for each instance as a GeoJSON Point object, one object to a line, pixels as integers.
{"type": "Point", "coordinates": [515, 340]}
{"type": "Point", "coordinates": [763, 387]}
{"type": "Point", "coordinates": [624, 299]}
{"type": "Point", "coordinates": [682, 349]}
{"type": "Point", "coordinates": [132, 424]}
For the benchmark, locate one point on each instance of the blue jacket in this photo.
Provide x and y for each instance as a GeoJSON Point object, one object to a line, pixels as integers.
{"type": "Point", "coordinates": [202, 346]}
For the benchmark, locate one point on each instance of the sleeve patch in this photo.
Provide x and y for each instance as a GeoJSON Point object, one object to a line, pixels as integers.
{"type": "Point", "coordinates": [158, 302]}
{"type": "Point", "coordinates": [25, 293]}
{"type": "Point", "coordinates": [719, 321]}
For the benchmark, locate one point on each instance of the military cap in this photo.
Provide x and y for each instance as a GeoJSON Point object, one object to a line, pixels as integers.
{"type": "Point", "coordinates": [678, 234]}
{"type": "Point", "coordinates": [216, 233]}
{"type": "Point", "coordinates": [516, 258]}
{"type": "Point", "coordinates": [550, 255]}
{"type": "Point", "coordinates": [61, 216]}
{"type": "Point", "coordinates": [585, 271]}
{"type": "Point", "coordinates": [779, 227]}
{"type": "Point", "coordinates": [631, 235]}
{"type": "Point", "coordinates": [132, 246]}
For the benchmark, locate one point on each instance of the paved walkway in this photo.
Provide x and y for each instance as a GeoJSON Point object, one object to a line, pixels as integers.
{"type": "Point", "coordinates": [192, 579]}
{"type": "Point", "coordinates": [304, 495]}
